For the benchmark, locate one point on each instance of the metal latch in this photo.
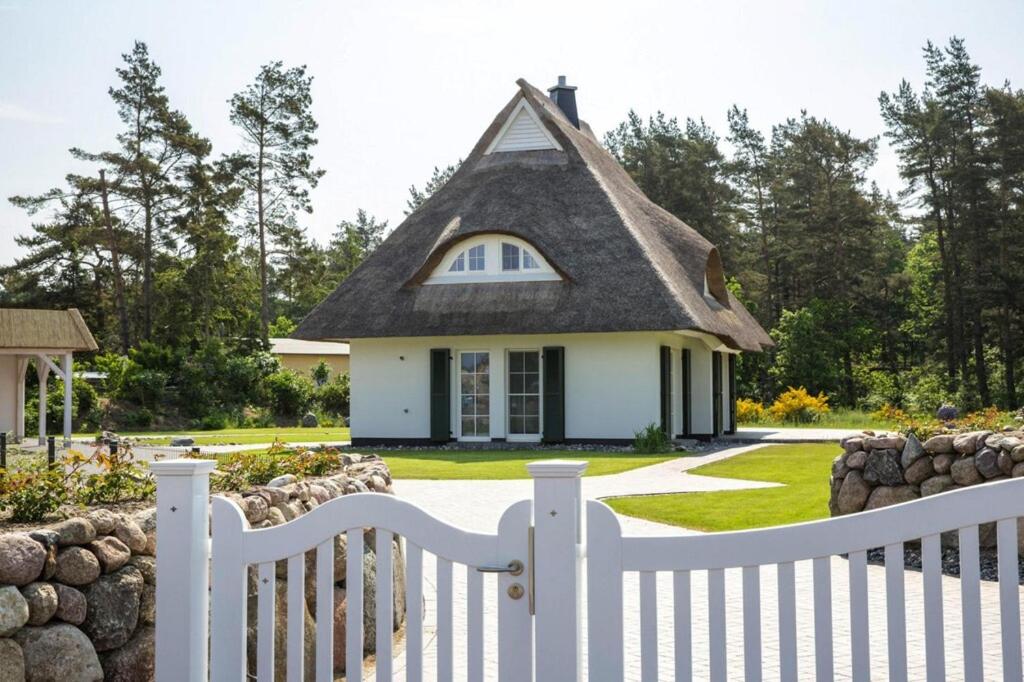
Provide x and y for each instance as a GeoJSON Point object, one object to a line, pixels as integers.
{"type": "Point", "coordinates": [515, 567]}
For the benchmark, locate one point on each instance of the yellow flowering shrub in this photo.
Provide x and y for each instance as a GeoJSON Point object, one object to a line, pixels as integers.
{"type": "Point", "coordinates": [749, 411]}
{"type": "Point", "coordinates": [797, 406]}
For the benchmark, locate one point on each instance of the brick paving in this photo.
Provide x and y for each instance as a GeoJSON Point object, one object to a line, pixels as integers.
{"type": "Point", "coordinates": [476, 505]}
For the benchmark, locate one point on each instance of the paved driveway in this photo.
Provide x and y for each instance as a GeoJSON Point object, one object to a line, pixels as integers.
{"type": "Point", "coordinates": [477, 505]}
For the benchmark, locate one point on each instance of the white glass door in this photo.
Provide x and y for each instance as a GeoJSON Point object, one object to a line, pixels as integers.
{"type": "Point", "coordinates": [523, 395]}
{"type": "Point", "coordinates": [475, 395]}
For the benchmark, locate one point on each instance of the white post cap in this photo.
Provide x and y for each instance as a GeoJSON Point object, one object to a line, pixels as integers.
{"type": "Point", "coordinates": [183, 467]}
{"type": "Point", "coordinates": [556, 468]}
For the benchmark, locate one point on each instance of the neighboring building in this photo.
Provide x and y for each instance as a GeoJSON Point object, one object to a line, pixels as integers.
{"type": "Point", "coordinates": [47, 339]}
{"type": "Point", "coordinates": [539, 295]}
{"type": "Point", "coordinates": [303, 356]}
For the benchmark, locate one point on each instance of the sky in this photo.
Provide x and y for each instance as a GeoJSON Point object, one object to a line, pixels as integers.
{"type": "Point", "coordinates": [401, 87]}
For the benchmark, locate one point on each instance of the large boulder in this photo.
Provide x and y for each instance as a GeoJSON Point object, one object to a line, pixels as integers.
{"type": "Point", "coordinates": [77, 531]}
{"type": "Point", "coordinates": [58, 653]}
{"type": "Point", "coordinates": [103, 520]}
{"type": "Point", "coordinates": [113, 608]}
{"type": "Point", "coordinates": [21, 559]}
{"type": "Point", "coordinates": [920, 469]}
{"type": "Point", "coordinates": [852, 443]}
{"type": "Point", "coordinates": [13, 610]}
{"type": "Point", "coordinates": [42, 602]}
{"type": "Point", "coordinates": [853, 493]}
{"type": "Point", "coordinates": [937, 484]}
{"type": "Point", "coordinates": [987, 462]}
{"type": "Point", "coordinates": [12, 661]}
{"type": "Point", "coordinates": [971, 442]}
{"type": "Point", "coordinates": [964, 472]}
{"type": "Point", "coordinates": [1017, 454]}
{"type": "Point", "coordinates": [131, 534]}
{"type": "Point", "coordinates": [911, 451]}
{"type": "Point", "coordinates": [885, 496]}
{"type": "Point", "coordinates": [77, 566]}
{"type": "Point", "coordinates": [941, 444]}
{"type": "Point", "coordinates": [839, 467]}
{"type": "Point", "coordinates": [146, 520]}
{"type": "Point", "coordinates": [857, 460]}
{"type": "Point", "coordinates": [71, 604]}
{"type": "Point", "coordinates": [1005, 463]}
{"type": "Point", "coordinates": [943, 463]}
{"type": "Point", "coordinates": [146, 566]}
{"type": "Point", "coordinates": [884, 442]}
{"type": "Point", "coordinates": [883, 468]}
{"type": "Point", "coordinates": [110, 552]}
{"type": "Point", "coordinates": [135, 661]}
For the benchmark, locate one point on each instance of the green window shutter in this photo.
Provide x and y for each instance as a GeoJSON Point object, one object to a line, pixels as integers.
{"type": "Point", "coordinates": [716, 392]}
{"type": "Point", "coordinates": [732, 393]}
{"type": "Point", "coordinates": [687, 392]}
{"type": "Point", "coordinates": [440, 395]}
{"type": "Point", "coordinates": [554, 394]}
{"type": "Point", "coordinates": [666, 390]}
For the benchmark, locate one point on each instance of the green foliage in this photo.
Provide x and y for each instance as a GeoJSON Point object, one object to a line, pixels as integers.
{"type": "Point", "coordinates": [437, 180]}
{"type": "Point", "coordinates": [33, 491]}
{"type": "Point", "coordinates": [797, 406]}
{"type": "Point", "coordinates": [84, 406]}
{"type": "Point", "coordinates": [320, 373]}
{"type": "Point", "coordinates": [282, 327]}
{"type": "Point", "coordinates": [333, 396]}
{"type": "Point", "coordinates": [651, 440]}
{"type": "Point", "coordinates": [242, 470]}
{"type": "Point", "coordinates": [290, 394]}
{"type": "Point", "coordinates": [119, 479]}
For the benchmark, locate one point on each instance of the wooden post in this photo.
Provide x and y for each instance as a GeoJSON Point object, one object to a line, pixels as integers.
{"type": "Point", "coordinates": [182, 567]}
{"type": "Point", "coordinates": [43, 372]}
{"type": "Point", "coordinates": [66, 363]}
{"type": "Point", "coordinates": [557, 519]}
{"type": "Point", "coordinates": [51, 452]}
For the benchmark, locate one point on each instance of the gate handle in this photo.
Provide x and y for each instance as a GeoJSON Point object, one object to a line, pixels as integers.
{"type": "Point", "coordinates": [515, 567]}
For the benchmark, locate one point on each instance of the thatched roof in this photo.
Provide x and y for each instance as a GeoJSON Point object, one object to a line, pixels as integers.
{"type": "Point", "coordinates": [627, 264]}
{"type": "Point", "coordinates": [45, 330]}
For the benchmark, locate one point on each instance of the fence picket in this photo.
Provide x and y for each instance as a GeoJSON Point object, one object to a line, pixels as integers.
{"type": "Point", "coordinates": [787, 621]}
{"type": "Point", "coordinates": [295, 656]}
{"type": "Point", "coordinates": [354, 605]}
{"type": "Point", "coordinates": [752, 623]}
{"type": "Point", "coordinates": [474, 624]}
{"type": "Point", "coordinates": [934, 637]}
{"type": "Point", "coordinates": [605, 648]}
{"type": "Point", "coordinates": [682, 626]}
{"type": "Point", "coordinates": [266, 597]}
{"type": "Point", "coordinates": [970, 604]}
{"type": "Point", "coordinates": [860, 644]}
{"type": "Point", "coordinates": [384, 603]}
{"type": "Point", "coordinates": [716, 624]}
{"type": "Point", "coordinates": [823, 662]}
{"type": "Point", "coordinates": [325, 611]}
{"type": "Point", "coordinates": [413, 612]}
{"type": "Point", "coordinates": [895, 612]}
{"type": "Point", "coordinates": [445, 640]}
{"type": "Point", "coordinates": [648, 625]}
{"type": "Point", "coordinates": [1009, 597]}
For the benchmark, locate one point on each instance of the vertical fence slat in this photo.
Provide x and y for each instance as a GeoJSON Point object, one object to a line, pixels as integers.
{"type": "Point", "coordinates": [934, 636]}
{"type": "Point", "coordinates": [970, 604]}
{"type": "Point", "coordinates": [266, 593]}
{"type": "Point", "coordinates": [648, 625]}
{"type": "Point", "coordinates": [823, 661]}
{"type": "Point", "coordinates": [752, 623]}
{"type": "Point", "coordinates": [325, 611]}
{"type": "Point", "coordinates": [860, 643]}
{"type": "Point", "coordinates": [895, 612]}
{"type": "Point", "coordinates": [474, 623]}
{"type": "Point", "coordinates": [413, 613]}
{"type": "Point", "coordinates": [1009, 597]}
{"type": "Point", "coordinates": [445, 640]}
{"type": "Point", "coordinates": [682, 626]}
{"type": "Point", "coordinates": [605, 641]}
{"type": "Point", "coordinates": [384, 603]}
{"type": "Point", "coordinates": [787, 622]}
{"type": "Point", "coordinates": [354, 606]}
{"type": "Point", "coordinates": [716, 625]}
{"type": "Point", "coordinates": [296, 617]}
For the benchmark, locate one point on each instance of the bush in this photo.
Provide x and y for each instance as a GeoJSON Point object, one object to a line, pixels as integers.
{"type": "Point", "coordinates": [321, 373]}
{"type": "Point", "coordinates": [120, 479]}
{"type": "Point", "coordinates": [33, 492]}
{"type": "Point", "coordinates": [797, 406]}
{"type": "Point", "coordinates": [246, 469]}
{"type": "Point", "coordinates": [333, 397]}
{"type": "Point", "coordinates": [651, 440]}
{"type": "Point", "coordinates": [749, 411]}
{"type": "Point", "coordinates": [84, 407]}
{"type": "Point", "coordinates": [289, 393]}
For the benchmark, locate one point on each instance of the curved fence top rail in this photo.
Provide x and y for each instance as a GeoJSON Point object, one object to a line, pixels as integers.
{"type": "Point", "coordinates": [362, 510]}
{"type": "Point", "coordinates": [856, 532]}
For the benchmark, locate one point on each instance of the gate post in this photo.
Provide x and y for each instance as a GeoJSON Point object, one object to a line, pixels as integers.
{"type": "Point", "coordinates": [558, 532]}
{"type": "Point", "coordinates": [182, 568]}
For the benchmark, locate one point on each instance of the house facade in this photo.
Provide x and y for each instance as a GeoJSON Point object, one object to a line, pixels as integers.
{"type": "Point", "coordinates": [538, 296]}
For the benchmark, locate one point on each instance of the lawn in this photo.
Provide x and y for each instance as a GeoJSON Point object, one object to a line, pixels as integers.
{"type": "Point", "coordinates": [802, 468]}
{"type": "Point", "coordinates": [288, 434]}
{"type": "Point", "coordinates": [836, 419]}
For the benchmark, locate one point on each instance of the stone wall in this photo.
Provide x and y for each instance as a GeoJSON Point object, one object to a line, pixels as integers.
{"type": "Point", "coordinates": [877, 470]}
{"type": "Point", "coordinates": [77, 599]}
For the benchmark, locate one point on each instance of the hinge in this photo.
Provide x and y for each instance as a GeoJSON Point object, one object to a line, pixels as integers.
{"type": "Point", "coordinates": [531, 583]}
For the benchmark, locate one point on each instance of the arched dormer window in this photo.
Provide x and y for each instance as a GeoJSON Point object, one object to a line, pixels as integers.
{"type": "Point", "coordinates": [492, 258]}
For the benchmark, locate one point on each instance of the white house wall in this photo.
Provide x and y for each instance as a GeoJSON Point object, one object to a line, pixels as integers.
{"type": "Point", "coordinates": [9, 395]}
{"type": "Point", "coordinates": [611, 383]}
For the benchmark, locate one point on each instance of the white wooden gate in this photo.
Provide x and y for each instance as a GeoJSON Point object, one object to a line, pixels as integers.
{"type": "Point", "coordinates": [540, 626]}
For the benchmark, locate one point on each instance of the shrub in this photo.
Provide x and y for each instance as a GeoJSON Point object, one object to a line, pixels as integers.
{"type": "Point", "coordinates": [321, 373]}
{"type": "Point", "coordinates": [749, 411]}
{"type": "Point", "coordinates": [246, 469]}
{"type": "Point", "coordinates": [33, 491]}
{"type": "Point", "coordinates": [120, 479]}
{"type": "Point", "coordinates": [289, 393]}
{"type": "Point", "coordinates": [312, 462]}
{"type": "Point", "coordinates": [651, 440]}
{"type": "Point", "coordinates": [797, 406]}
{"type": "Point", "coordinates": [333, 397]}
{"type": "Point", "coordinates": [988, 419]}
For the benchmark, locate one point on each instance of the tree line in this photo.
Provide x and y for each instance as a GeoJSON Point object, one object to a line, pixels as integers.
{"type": "Point", "coordinates": [910, 299]}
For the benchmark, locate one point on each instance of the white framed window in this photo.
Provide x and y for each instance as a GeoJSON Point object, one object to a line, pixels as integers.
{"type": "Point", "coordinates": [474, 395]}
{"type": "Point", "coordinates": [529, 262]}
{"type": "Point", "coordinates": [509, 257]}
{"type": "Point", "coordinates": [524, 395]}
{"type": "Point", "coordinates": [477, 259]}
{"type": "Point", "coordinates": [459, 264]}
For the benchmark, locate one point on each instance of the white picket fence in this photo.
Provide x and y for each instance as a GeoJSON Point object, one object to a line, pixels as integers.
{"type": "Point", "coordinates": [541, 549]}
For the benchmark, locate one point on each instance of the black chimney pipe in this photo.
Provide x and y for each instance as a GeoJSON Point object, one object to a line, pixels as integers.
{"type": "Point", "coordinates": [565, 97]}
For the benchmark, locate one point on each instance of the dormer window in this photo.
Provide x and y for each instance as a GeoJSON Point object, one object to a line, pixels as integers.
{"type": "Point", "coordinates": [467, 262]}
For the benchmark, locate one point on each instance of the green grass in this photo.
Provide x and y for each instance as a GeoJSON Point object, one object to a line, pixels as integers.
{"type": "Point", "coordinates": [288, 434]}
{"type": "Point", "coordinates": [836, 419]}
{"type": "Point", "coordinates": [802, 468]}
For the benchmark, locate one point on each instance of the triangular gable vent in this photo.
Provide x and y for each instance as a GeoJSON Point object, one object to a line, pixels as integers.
{"type": "Point", "coordinates": [522, 132]}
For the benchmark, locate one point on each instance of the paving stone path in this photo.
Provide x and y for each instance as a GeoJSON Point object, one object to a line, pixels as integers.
{"type": "Point", "coordinates": [477, 505]}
